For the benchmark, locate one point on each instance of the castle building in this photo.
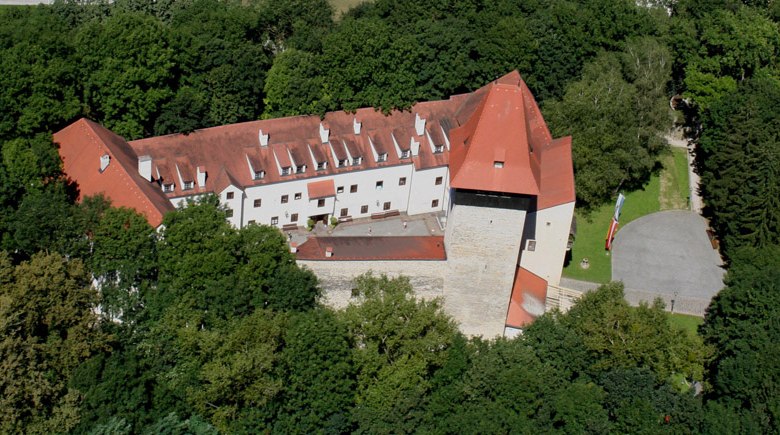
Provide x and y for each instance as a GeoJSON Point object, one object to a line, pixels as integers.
{"type": "Point", "coordinates": [484, 161]}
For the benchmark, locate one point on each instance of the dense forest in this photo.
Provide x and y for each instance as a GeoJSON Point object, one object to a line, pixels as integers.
{"type": "Point", "coordinates": [203, 328]}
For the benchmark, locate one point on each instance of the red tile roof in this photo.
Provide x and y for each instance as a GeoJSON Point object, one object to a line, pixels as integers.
{"type": "Point", "coordinates": [494, 149]}
{"type": "Point", "coordinates": [321, 189]}
{"type": "Point", "coordinates": [499, 122]}
{"type": "Point", "coordinates": [373, 248]}
{"type": "Point", "coordinates": [529, 292]}
{"type": "Point", "coordinates": [81, 145]}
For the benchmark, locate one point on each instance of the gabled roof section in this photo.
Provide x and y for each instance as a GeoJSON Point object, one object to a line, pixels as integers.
{"type": "Point", "coordinates": [529, 293]}
{"type": "Point", "coordinates": [321, 189]}
{"type": "Point", "coordinates": [81, 146]}
{"type": "Point", "coordinates": [373, 248]}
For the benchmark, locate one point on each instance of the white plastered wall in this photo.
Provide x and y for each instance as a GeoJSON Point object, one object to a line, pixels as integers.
{"type": "Point", "coordinates": [551, 232]}
{"type": "Point", "coordinates": [425, 190]}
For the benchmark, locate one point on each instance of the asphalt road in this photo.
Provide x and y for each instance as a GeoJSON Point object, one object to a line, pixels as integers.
{"type": "Point", "coordinates": [668, 255]}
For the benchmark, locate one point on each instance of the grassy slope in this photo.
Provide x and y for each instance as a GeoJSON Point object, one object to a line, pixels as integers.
{"type": "Point", "coordinates": [592, 228]}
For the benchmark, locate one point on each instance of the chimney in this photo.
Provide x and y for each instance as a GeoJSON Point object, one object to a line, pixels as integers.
{"type": "Point", "coordinates": [105, 159]}
{"type": "Point", "coordinates": [328, 252]}
{"type": "Point", "coordinates": [419, 124]}
{"type": "Point", "coordinates": [263, 138]}
{"type": "Point", "coordinates": [145, 167]}
{"type": "Point", "coordinates": [356, 125]}
{"type": "Point", "coordinates": [324, 133]}
{"type": "Point", "coordinates": [415, 146]}
{"type": "Point", "coordinates": [293, 247]}
{"type": "Point", "coordinates": [201, 176]}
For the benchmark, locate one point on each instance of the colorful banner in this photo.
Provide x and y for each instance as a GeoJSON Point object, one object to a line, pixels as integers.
{"type": "Point", "coordinates": [615, 220]}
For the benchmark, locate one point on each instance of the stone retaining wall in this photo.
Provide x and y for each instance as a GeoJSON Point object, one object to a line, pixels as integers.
{"type": "Point", "coordinates": [426, 277]}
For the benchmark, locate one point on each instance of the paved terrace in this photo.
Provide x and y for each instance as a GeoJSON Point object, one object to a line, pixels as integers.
{"type": "Point", "coordinates": [396, 226]}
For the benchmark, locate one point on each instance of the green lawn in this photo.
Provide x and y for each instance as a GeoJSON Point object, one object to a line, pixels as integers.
{"type": "Point", "coordinates": [675, 193]}
{"type": "Point", "coordinates": [686, 323]}
{"type": "Point", "coordinates": [666, 190]}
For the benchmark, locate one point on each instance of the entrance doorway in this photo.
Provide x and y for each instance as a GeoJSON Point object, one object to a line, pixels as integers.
{"type": "Point", "coordinates": [320, 218]}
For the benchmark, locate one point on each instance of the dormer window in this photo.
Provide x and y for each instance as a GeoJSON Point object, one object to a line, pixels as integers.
{"type": "Point", "coordinates": [438, 149]}
{"type": "Point", "coordinates": [405, 154]}
{"type": "Point", "coordinates": [322, 165]}
{"type": "Point", "coordinates": [357, 160]}
{"type": "Point", "coordinates": [259, 175]}
{"type": "Point", "coordinates": [342, 163]}
{"type": "Point", "coordinates": [382, 157]}
{"type": "Point", "coordinates": [188, 185]}
{"type": "Point", "coordinates": [167, 187]}
{"type": "Point", "coordinates": [286, 170]}
{"type": "Point", "coordinates": [300, 169]}
{"type": "Point", "coordinates": [498, 164]}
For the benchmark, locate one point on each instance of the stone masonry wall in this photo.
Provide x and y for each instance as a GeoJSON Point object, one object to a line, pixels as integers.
{"type": "Point", "coordinates": [483, 244]}
{"type": "Point", "coordinates": [426, 277]}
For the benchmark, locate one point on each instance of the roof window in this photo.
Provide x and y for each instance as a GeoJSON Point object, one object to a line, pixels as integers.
{"type": "Point", "coordinates": [498, 164]}
{"type": "Point", "coordinates": [286, 170]}
{"type": "Point", "coordinates": [167, 187]}
{"type": "Point", "coordinates": [259, 175]}
{"type": "Point", "coordinates": [382, 157]}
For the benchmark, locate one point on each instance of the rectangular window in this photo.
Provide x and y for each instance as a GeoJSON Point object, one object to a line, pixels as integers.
{"type": "Point", "coordinates": [402, 181]}
{"type": "Point", "coordinates": [530, 245]}
{"type": "Point", "coordinates": [353, 188]}
{"type": "Point", "coordinates": [439, 180]}
{"type": "Point", "coordinates": [274, 220]}
{"type": "Point", "coordinates": [285, 199]}
{"type": "Point", "coordinates": [229, 213]}
{"type": "Point", "coordinates": [344, 212]}
{"type": "Point", "coordinates": [229, 195]}
{"type": "Point", "coordinates": [439, 149]}
{"type": "Point", "coordinates": [259, 175]}
{"type": "Point", "coordinates": [320, 203]}
{"type": "Point", "coordinates": [258, 202]}
{"type": "Point", "coordinates": [188, 185]}
{"type": "Point", "coordinates": [386, 206]}
{"type": "Point", "coordinates": [340, 189]}
{"type": "Point", "coordinates": [168, 188]}
{"type": "Point", "coordinates": [321, 165]}
{"type": "Point", "coordinates": [357, 160]}
{"type": "Point", "coordinates": [405, 154]}
{"type": "Point", "coordinates": [286, 170]}
{"type": "Point", "coordinates": [294, 217]}
{"type": "Point", "coordinates": [434, 203]}
{"type": "Point", "coordinates": [298, 195]}
{"type": "Point", "coordinates": [380, 185]}
{"type": "Point", "coordinates": [498, 164]}
{"type": "Point", "coordinates": [363, 209]}
{"type": "Point", "coordinates": [342, 163]}
{"type": "Point", "coordinates": [300, 169]}
{"type": "Point", "coordinates": [382, 157]}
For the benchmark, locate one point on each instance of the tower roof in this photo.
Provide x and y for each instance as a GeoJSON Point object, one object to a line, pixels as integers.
{"type": "Point", "coordinates": [499, 143]}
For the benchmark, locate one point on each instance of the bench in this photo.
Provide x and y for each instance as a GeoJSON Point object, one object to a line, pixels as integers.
{"type": "Point", "coordinates": [385, 214]}
{"type": "Point", "coordinates": [713, 241]}
{"type": "Point", "coordinates": [290, 227]}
